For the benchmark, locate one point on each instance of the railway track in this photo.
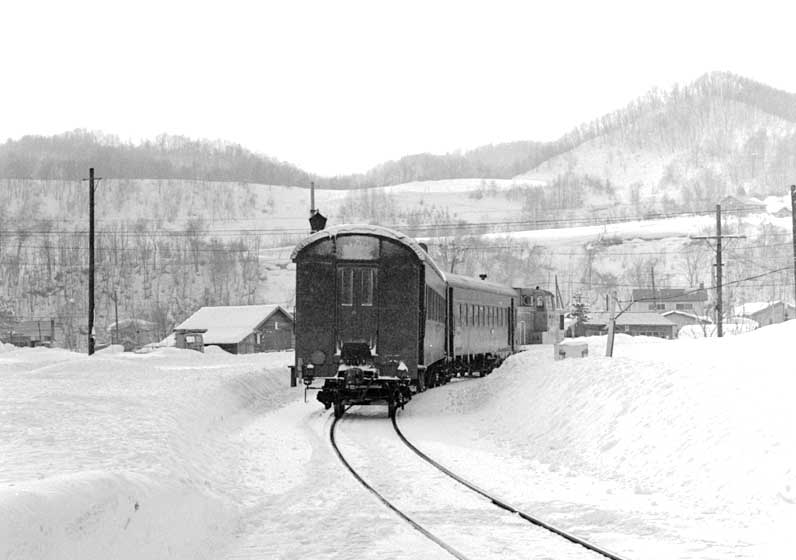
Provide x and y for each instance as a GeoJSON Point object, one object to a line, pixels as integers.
{"type": "Point", "coordinates": [503, 504]}
{"type": "Point", "coordinates": [476, 522]}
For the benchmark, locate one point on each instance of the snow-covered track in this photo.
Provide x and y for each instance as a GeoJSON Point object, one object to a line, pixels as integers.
{"type": "Point", "coordinates": [503, 504]}
{"type": "Point", "coordinates": [389, 504]}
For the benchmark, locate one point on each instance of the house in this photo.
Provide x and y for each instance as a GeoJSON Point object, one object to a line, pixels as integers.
{"type": "Point", "coordinates": [30, 332]}
{"type": "Point", "coordinates": [742, 205]}
{"type": "Point", "coordinates": [683, 318]}
{"type": "Point", "coordinates": [132, 333]}
{"type": "Point", "coordinates": [632, 323]}
{"type": "Point", "coordinates": [242, 329]}
{"type": "Point", "coordinates": [669, 299]}
{"type": "Point", "coordinates": [765, 312]}
{"type": "Point", "coordinates": [783, 212]}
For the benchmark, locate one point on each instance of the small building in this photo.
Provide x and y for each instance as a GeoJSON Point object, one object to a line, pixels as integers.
{"type": "Point", "coordinates": [241, 329]}
{"type": "Point", "coordinates": [669, 299]}
{"type": "Point", "coordinates": [30, 332]}
{"type": "Point", "coordinates": [742, 205]}
{"type": "Point", "coordinates": [190, 339]}
{"type": "Point", "coordinates": [682, 318]}
{"type": "Point", "coordinates": [764, 312]}
{"type": "Point", "coordinates": [132, 333]}
{"type": "Point", "coordinates": [633, 324]}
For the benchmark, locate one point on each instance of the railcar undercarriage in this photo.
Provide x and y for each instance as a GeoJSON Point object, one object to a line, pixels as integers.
{"type": "Point", "coordinates": [363, 385]}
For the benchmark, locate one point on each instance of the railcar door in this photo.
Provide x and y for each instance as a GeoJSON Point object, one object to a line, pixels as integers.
{"type": "Point", "coordinates": [356, 299]}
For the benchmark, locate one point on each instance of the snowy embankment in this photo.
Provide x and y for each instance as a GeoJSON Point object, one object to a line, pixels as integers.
{"type": "Point", "coordinates": [669, 449]}
{"type": "Point", "coordinates": [123, 455]}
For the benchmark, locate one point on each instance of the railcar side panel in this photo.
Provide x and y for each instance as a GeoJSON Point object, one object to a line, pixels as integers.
{"type": "Point", "coordinates": [435, 305]}
{"type": "Point", "coordinates": [315, 321]}
{"type": "Point", "coordinates": [399, 306]}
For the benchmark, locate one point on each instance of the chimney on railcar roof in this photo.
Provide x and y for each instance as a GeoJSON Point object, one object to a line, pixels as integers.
{"type": "Point", "coordinates": [317, 220]}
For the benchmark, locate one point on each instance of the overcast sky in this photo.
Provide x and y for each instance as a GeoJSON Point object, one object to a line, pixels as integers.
{"type": "Point", "coordinates": [338, 86]}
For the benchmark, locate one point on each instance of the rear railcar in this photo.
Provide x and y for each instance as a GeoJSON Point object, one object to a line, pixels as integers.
{"type": "Point", "coordinates": [482, 318]}
{"type": "Point", "coordinates": [538, 319]}
{"type": "Point", "coordinates": [363, 327]}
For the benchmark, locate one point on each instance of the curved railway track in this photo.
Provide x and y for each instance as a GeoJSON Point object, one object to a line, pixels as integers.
{"type": "Point", "coordinates": [504, 505]}
{"type": "Point", "coordinates": [469, 486]}
{"type": "Point", "coordinates": [448, 548]}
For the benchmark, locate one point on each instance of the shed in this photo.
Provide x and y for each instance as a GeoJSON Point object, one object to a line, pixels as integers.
{"type": "Point", "coordinates": [243, 329]}
{"type": "Point", "coordinates": [682, 318]}
{"type": "Point", "coordinates": [764, 312]}
{"type": "Point", "coordinates": [632, 323]}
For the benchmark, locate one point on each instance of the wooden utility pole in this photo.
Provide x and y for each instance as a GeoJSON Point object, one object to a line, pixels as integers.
{"type": "Point", "coordinates": [91, 189]}
{"type": "Point", "coordinates": [793, 218]}
{"type": "Point", "coordinates": [719, 306]}
{"type": "Point", "coordinates": [91, 262]}
{"type": "Point", "coordinates": [718, 237]}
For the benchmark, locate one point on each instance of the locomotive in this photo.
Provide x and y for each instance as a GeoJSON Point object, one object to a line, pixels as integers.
{"type": "Point", "coordinates": [377, 319]}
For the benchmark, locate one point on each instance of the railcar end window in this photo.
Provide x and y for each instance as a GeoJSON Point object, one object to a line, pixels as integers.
{"type": "Point", "coordinates": [368, 281]}
{"type": "Point", "coordinates": [346, 286]}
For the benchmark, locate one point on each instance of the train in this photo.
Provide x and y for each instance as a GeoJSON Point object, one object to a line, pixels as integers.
{"type": "Point", "coordinates": [377, 320]}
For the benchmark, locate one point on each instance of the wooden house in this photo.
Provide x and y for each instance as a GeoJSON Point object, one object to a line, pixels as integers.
{"type": "Point", "coordinates": [662, 300]}
{"type": "Point", "coordinates": [683, 318]}
{"type": "Point", "coordinates": [764, 312]}
{"type": "Point", "coordinates": [741, 205]}
{"type": "Point", "coordinates": [242, 329]}
{"type": "Point", "coordinates": [632, 323]}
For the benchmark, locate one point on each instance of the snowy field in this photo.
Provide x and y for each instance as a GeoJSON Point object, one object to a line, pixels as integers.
{"type": "Point", "coordinates": [671, 449]}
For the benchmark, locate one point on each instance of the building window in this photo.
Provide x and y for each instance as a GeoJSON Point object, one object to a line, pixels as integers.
{"type": "Point", "coordinates": [684, 306]}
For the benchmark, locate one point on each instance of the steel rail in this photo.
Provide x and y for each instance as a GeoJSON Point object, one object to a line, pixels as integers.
{"type": "Point", "coordinates": [426, 533]}
{"type": "Point", "coordinates": [502, 504]}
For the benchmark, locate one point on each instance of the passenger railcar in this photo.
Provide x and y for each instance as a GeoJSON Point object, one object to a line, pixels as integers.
{"type": "Point", "coordinates": [376, 319]}
{"type": "Point", "coordinates": [370, 315]}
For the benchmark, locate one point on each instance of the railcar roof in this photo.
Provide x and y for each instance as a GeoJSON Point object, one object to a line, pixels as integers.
{"type": "Point", "coordinates": [368, 229]}
{"type": "Point", "coordinates": [466, 282]}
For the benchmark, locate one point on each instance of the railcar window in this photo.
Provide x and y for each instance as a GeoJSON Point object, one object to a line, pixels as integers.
{"type": "Point", "coordinates": [346, 288]}
{"type": "Point", "coordinates": [368, 281]}
{"type": "Point", "coordinates": [539, 302]}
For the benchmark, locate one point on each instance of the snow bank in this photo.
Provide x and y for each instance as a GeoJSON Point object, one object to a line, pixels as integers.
{"type": "Point", "coordinates": [125, 455]}
{"type": "Point", "coordinates": [695, 429]}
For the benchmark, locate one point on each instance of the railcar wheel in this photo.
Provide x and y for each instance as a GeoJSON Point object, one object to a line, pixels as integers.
{"type": "Point", "coordinates": [421, 381]}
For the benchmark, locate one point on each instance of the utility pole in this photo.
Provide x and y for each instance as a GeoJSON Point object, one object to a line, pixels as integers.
{"type": "Point", "coordinates": [91, 190]}
{"type": "Point", "coordinates": [718, 237]}
{"type": "Point", "coordinates": [654, 295]}
{"type": "Point", "coordinates": [793, 217]}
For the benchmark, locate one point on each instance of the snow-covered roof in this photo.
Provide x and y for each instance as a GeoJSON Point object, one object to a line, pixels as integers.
{"type": "Point", "coordinates": [754, 307]}
{"type": "Point", "coordinates": [669, 294]}
{"type": "Point", "coordinates": [229, 324]}
{"type": "Point", "coordinates": [466, 282]}
{"type": "Point", "coordinates": [140, 324]}
{"type": "Point", "coordinates": [630, 318]}
{"type": "Point", "coordinates": [367, 229]}
{"type": "Point", "coordinates": [693, 316]}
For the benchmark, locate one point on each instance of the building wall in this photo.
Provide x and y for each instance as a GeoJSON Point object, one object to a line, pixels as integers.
{"type": "Point", "coordinates": [775, 313]}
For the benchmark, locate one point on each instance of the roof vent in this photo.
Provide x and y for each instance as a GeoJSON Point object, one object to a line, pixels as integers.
{"type": "Point", "coordinates": [482, 276]}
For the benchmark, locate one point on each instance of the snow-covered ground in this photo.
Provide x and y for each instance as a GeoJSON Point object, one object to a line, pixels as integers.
{"type": "Point", "coordinates": [670, 449]}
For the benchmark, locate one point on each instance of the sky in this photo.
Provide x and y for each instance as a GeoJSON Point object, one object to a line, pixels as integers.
{"type": "Point", "coordinates": [338, 87]}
